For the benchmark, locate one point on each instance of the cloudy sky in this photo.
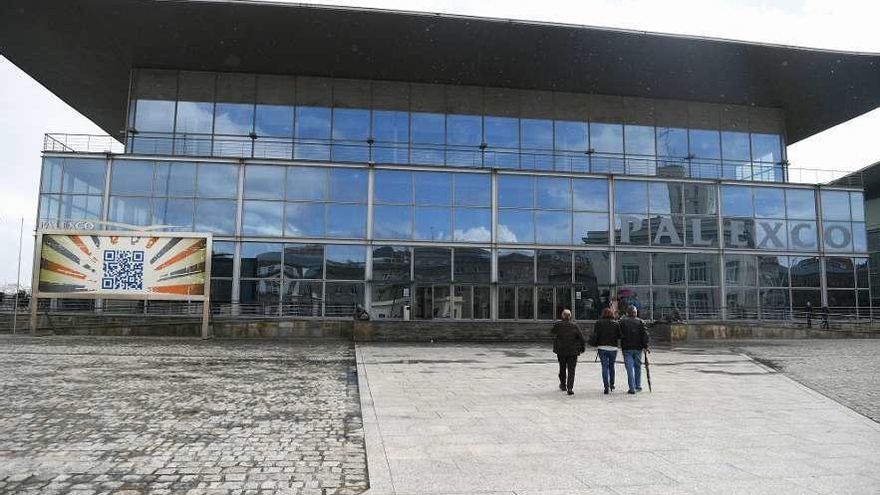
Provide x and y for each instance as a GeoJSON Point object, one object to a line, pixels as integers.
{"type": "Point", "coordinates": [27, 110]}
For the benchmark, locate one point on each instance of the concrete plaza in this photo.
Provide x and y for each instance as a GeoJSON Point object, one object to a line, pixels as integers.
{"type": "Point", "coordinates": [113, 416]}
{"type": "Point", "coordinates": [471, 419]}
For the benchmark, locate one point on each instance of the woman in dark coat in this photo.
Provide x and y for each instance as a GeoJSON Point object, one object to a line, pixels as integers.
{"type": "Point", "coordinates": [606, 335]}
{"type": "Point", "coordinates": [568, 343]}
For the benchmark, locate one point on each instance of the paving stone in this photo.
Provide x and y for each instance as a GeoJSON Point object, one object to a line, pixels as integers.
{"type": "Point", "coordinates": [90, 415]}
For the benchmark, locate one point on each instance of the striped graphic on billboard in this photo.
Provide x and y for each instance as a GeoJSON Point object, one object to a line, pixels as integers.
{"type": "Point", "coordinates": [107, 265]}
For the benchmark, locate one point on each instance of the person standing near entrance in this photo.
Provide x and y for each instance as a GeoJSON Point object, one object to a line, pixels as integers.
{"type": "Point", "coordinates": [634, 339]}
{"type": "Point", "coordinates": [568, 343]}
{"type": "Point", "coordinates": [809, 311]}
{"type": "Point", "coordinates": [606, 334]}
{"type": "Point", "coordinates": [825, 314]}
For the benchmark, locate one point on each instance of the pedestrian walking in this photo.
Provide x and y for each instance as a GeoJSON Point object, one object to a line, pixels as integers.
{"type": "Point", "coordinates": [809, 311]}
{"type": "Point", "coordinates": [606, 336]}
{"type": "Point", "coordinates": [568, 343]}
{"type": "Point", "coordinates": [634, 339]}
{"type": "Point", "coordinates": [825, 314]}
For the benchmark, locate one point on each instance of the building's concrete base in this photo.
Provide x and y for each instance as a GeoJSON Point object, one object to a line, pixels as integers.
{"type": "Point", "coordinates": [332, 329]}
{"type": "Point", "coordinates": [728, 331]}
{"type": "Point", "coordinates": [423, 330]}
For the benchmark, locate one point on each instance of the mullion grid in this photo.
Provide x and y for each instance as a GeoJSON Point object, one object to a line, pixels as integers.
{"type": "Point", "coordinates": [587, 120]}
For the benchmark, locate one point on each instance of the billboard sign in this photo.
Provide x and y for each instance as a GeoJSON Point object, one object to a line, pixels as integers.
{"type": "Point", "coordinates": [127, 265]}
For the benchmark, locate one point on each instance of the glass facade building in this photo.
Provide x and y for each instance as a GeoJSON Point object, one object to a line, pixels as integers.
{"type": "Point", "coordinates": [470, 203]}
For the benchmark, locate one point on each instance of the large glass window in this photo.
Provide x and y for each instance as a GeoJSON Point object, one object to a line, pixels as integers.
{"type": "Point", "coordinates": [217, 180]}
{"type": "Point", "coordinates": [472, 265]}
{"type": "Point", "coordinates": [516, 266]}
{"type": "Point", "coordinates": [835, 205]}
{"type": "Point", "coordinates": [705, 144]}
{"type": "Point", "coordinates": [132, 178]}
{"type": "Point", "coordinates": [391, 263]}
{"type": "Point", "coordinates": [432, 264]}
{"type": "Point", "coordinates": [393, 187]}
{"type": "Point", "coordinates": [264, 182]}
{"type": "Point", "coordinates": [473, 189]}
{"type": "Point", "coordinates": [736, 201]}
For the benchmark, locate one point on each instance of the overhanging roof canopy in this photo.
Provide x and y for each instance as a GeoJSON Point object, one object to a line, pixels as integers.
{"type": "Point", "coordinates": [83, 51]}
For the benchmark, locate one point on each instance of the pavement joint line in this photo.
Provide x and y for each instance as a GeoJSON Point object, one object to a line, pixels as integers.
{"type": "Point", "coordinates": [378, 465]}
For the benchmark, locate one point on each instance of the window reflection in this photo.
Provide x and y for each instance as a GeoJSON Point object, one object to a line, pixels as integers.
{"type": "Point", "coordinates": [589, 228]}
{"type": "Point", "coordinates": [348, 185]}
{"type": "Point", "coordinates": [131, 177]}
{"type": "Point", "coordinates": [306, 183]}
{"type": "Point", "coordinates": [472, 189]}
{"type": "Point", "coordinates": [800, 203]}
{"type": "Point", "coordinates": [346, 221]}
{"type": "Point", "coordinates": [260, 260]}
{"type": "Point", "coordinates": [516, 226]}
{"type": "Point", "coordinates": [553, 193]}
{"type": "Point", "coordinates": [391, 263]}
{"type": "Point", "coordinates": [473, 225]}
{"type": "Point", "coordinates": [215, 215]}
{"type": "Point", "coordinates": [736, 201]}
{"type": "Point", "coordinates": [433, 188]}
{"type": "Point", "coordinates": [516, 266]}
{"type": "Point", "coordinates": [705, 144]}
{"type": "Point", "coordinates": [304, 261]}
{"type": "Point", "coordinates": [262, 218]}
{"type": "Point", "coordinates": [432, 223]}
{"type": "Point", "coordinates": [175, 179]}
{"type": "Point", "coordinates": [630, 196]}
{"type": "Point", "coordinates": [393, 186]}
{"type": "Point", "coordinates": [835, 205]}
{"type": "Point", "coordinates": [304, 220]}
{"type": "Point", "coordinates": [432, 264]}
{"type": "Point", "coordinates": [392, 222]}
{"type": "Point", "coordinates": [552, 227]}
{"type": "Point", "coordinates": [217, 181]}
{"type": "Point", "coordinates": [766, 148]}
{"type": "Point", "coordinates": [264, 182]}
{"type": "Point", "coordinates": [590, 194]}
{"type": "Point", "coordinates": [516, 191]}
{"type": "Point", "coordinates": [472, 265]}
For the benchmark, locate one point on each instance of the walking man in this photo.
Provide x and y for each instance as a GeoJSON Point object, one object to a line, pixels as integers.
{"type": "Point", "coordinates": [634, 339]}
{"type": "Point", "coordinates": [825, 312]}
{"type": "Point", "coordinates": [568, 343]}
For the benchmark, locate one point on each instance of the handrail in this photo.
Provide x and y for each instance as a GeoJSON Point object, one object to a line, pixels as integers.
{"type": "Point", "coordinates": [479, 156]}
{"type": "Point", "coordinates": [81, 143]}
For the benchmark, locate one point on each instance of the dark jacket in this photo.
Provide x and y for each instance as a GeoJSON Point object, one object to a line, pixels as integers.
{"type": "Point", "coordinates": [607, 332]}
{"type": "Point", "coordinates": [569, 340]}
{"type": "Point", "coordinates": [633, 334]}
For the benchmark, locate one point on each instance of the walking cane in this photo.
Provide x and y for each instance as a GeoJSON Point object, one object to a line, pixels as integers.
{"type": "Point", "coordinates": [648, 370]}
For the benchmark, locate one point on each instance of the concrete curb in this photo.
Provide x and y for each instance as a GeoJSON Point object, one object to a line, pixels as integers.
{"type": "Point", "coordinates": [378, 469]}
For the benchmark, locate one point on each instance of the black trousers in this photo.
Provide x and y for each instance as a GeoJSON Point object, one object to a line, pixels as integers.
{"type": "Point", "coordinates": [567, 365]}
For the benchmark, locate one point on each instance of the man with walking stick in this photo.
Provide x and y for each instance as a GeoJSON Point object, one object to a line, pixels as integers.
{"type": "Point", "coordinates": [634, 339]}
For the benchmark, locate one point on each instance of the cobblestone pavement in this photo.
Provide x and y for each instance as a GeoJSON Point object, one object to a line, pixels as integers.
{"type": "Point", "coordinates": [847, 371]}
{"type": "Point", "coordinates": [89, 416]}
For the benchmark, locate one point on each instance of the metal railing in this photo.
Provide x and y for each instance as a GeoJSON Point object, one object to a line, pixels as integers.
{"type": "Point", "coordinates": [81, 143]}
{"type": "Point", "coordinates": [482, 156]}
{"type": "Point", "coordinates": [71, 316]}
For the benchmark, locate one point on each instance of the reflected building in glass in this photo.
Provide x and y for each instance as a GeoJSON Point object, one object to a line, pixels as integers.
{"type": "Point", "coordinates": [421, 192]}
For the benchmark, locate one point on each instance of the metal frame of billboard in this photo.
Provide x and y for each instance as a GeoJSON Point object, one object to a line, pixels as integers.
{"type": "Point", "coordinates": [36, 294]}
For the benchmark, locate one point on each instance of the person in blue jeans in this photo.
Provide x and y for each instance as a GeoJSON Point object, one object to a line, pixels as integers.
{"type": "Point", "coordinates": [634, 340]}
{"type": "Point", "coordinates": [605, 336]}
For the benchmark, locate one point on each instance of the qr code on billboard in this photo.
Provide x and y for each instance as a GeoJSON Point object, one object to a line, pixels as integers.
{"type": "Point", "coordinates": [123, 270]}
